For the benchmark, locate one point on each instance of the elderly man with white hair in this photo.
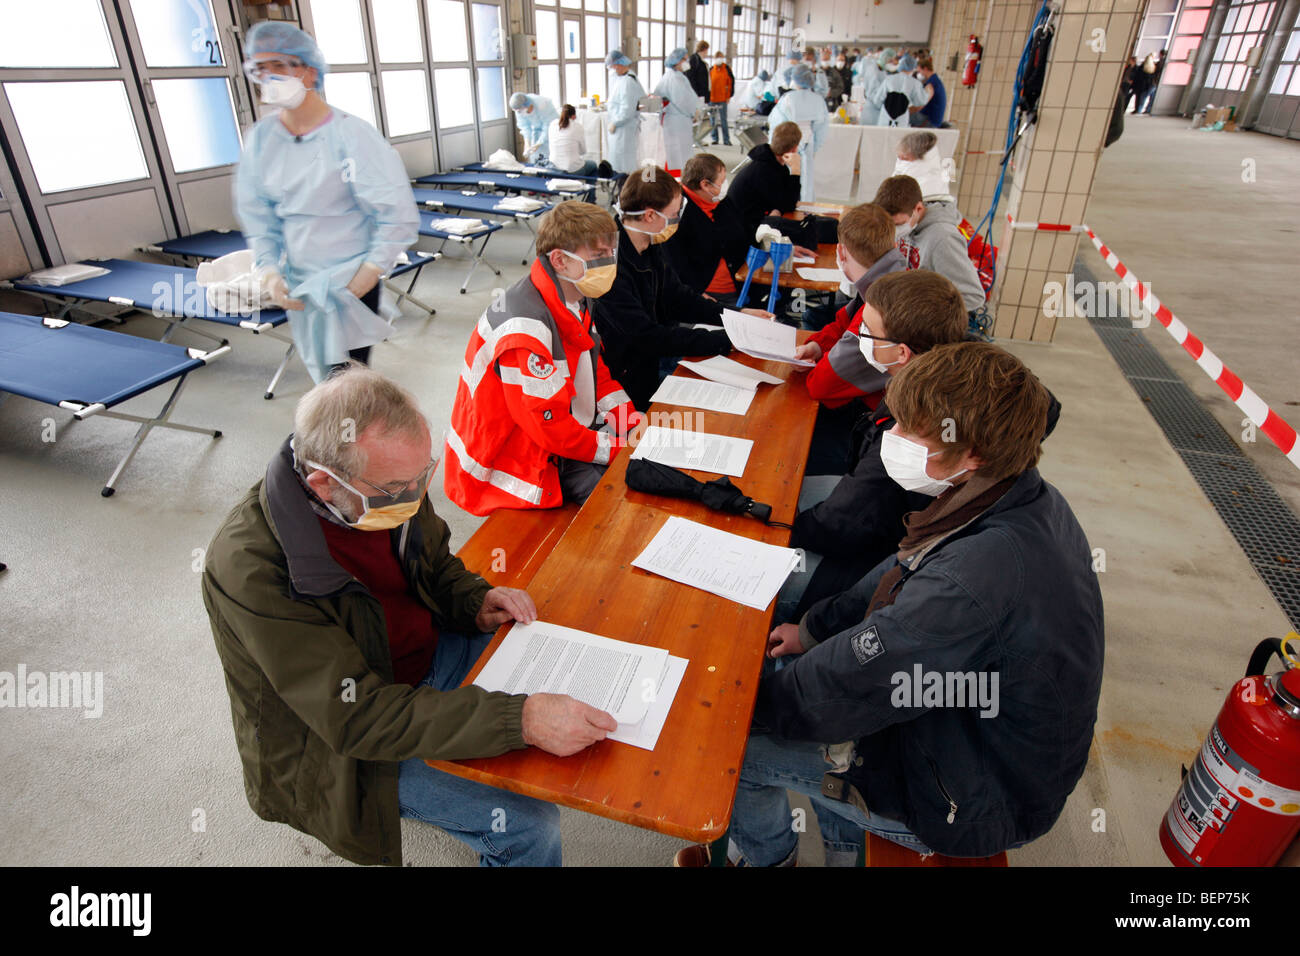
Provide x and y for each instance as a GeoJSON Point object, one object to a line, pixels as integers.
{"type": "Point", "coordinates": [345, 627]}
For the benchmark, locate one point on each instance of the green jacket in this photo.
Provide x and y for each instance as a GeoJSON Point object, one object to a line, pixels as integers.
{"type": "Point", "coordinates": [319, 723]}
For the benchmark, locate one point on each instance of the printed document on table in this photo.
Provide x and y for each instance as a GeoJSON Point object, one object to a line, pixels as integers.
{"type": "Point", "coordinates": [541, 658]}
{"type": "Point", "coordinates": [730, 372]}
{"type": "Point", "coordinates": [729, 565]}
{"type": "Point", "coordinates": [761, 338]}
{"type": "Point", "coordinates": [711, 396]}
{"type": "Point", "coordinates": [697, 451]}
{"type": "Point", "coordinates": [645, 732]}
{"type": "Point", "coordinates": [819, 275]}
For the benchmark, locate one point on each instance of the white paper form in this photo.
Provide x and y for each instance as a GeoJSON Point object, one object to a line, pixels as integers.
{"type": "Point", "coordinates": [541, 658]}
{"type": "Point", "coordinates": [711, 396]}
{"type": "Point", "coordinates": [645, 732]}
{"type": "Point", "coordinates": [728, 565]}
{"type": "Point", "coordinates": [762, 338]}
{"type": "Point", "coordinates": [818, 208]}
{"type": "Point", "coordinates": [820, 275]}
{"type": "Point", "coordinates": [803, 258]}
{"type": "Point", "coordinates": [696, 451]}
{"type": "Point", "coordinates": [729, 372]}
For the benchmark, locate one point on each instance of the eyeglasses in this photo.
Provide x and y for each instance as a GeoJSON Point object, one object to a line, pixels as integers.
{"type": "Point", "coordinates": [258, 70]}
{"type": "Point", "coordinates": [406, 492]}
{"type": "Point", "coordinates": [876, 338]}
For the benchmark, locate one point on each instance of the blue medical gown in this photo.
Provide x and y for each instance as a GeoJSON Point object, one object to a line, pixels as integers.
{"type": "Point", "coordinates": [624, 93]}
{"type": "Point", "coordinates": [808, 110]}
{"type": "Point", "coordinates": [679, 116]}
{"type": "Point", "coordinates": [316, 208]}
{"type": "Point", "coordinates": [535, 126]}
{"type": "Point", "coordinates": [892, 83]}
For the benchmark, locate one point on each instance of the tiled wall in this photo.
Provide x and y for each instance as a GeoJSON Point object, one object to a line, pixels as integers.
{"type": "Point", "coordinates": [1056, 161]}
{"type": "Point", "coordinates": [1052, 170]}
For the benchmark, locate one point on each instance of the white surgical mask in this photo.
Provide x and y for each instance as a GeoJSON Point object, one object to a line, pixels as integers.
{"type": "Point", "coordinates": [902, 231]}
{"type": "Point", "coordinates": [904, 461]}
{"type": "Point", "coordinates": [284, 91]}
{"type": "Point", "coordinates": [868, 348]}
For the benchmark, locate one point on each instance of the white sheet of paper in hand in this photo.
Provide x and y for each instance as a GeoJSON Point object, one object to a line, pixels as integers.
{"type": "Point", "coordinates": [719, 368]}
{"type": "Point", "coordinates": [541, 658]}
{"type": "Point", "coordinates": [645, 732]}
{"type": "Point", "coordinates": [697, 451]}
{"type": "Point", "coordinates": [710, 396]}
{"type": "Point", "coordinates": [820, 275]}
{"type": "Point", "coordinates": [762, 338]}
{"type": "Point", "coordinates": [729, 565]}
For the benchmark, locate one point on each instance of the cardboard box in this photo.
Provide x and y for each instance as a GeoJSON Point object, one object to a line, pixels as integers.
{"type": "Point", "coordinates": [1220, 114]}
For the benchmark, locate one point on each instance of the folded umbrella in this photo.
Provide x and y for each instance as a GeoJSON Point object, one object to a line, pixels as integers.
{"type": "Point", "coordinates": [720, 494]}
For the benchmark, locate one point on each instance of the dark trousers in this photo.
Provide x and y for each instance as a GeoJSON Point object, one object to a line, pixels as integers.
{"type": "Point", "coordinates": [371, 301]}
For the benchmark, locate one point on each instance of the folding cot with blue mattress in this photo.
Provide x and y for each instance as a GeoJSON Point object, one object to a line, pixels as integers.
{"type": "Point", "coordinates": [168, 292]}
{"type": "Point", "coordinates": [510, 182]}
{"type": "Point", "coordinates": [88, 371]}
{"type": "Point", "coordinates": [484, 230]}
{"type": "Point", "coordinates": [215, 243]}
{"type": "Point", "coordinates": [462, 200]}
{"type": "Point", "coordinates": [605, 182]}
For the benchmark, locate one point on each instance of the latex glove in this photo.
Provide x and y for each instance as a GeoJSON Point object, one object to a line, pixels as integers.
{"type": "Point", "coordinates": [367, 278]}
{"type": "Point", "coordinates": [274, 285]}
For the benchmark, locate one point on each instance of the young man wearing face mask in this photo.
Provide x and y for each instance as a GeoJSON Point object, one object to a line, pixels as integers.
{"type": "Point", "coordinates": [537, 416]}
{"type": "Point", "coordinates": [345, 626]}
{"type": "Point", "coordinates": [928, 236]}
{"type": "Point", "coordinates": [710, 244]}
{"type": "Point", "coordinates": [324, 203]}
{"type": "Point", "coordinates": [647, 315]}
{"type": "Point", "coordinates": [992, 585]}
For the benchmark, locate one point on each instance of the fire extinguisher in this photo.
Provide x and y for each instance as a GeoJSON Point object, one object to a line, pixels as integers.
{"type": "Point", "coordinates": [973, 53]}
{"type": "Point", "coordinates": [1239, 804]}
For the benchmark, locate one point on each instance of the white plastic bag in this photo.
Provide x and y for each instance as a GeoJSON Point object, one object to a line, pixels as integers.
{"type": "Point", "coordinates": [231, 284]}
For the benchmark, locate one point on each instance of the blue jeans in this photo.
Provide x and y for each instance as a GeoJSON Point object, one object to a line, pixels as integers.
{"type": "Point", "coordinates": [718, 120]}
{"type": "Point", "coordinates": [762, 825]}
{"type": "Point", "coordinates": [588, 168]}
{"type": "Point", "coordinates": [506, 829]}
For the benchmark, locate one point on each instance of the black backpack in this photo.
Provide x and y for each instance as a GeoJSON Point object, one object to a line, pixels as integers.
{"type": "Point", "coordinates": [896, 105]}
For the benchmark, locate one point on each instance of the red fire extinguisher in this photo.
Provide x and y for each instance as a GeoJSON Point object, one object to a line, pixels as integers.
{"type": "Point", "coordinates": [973, 53]}
{"type": "Point", "coordinates": [1239, 804]}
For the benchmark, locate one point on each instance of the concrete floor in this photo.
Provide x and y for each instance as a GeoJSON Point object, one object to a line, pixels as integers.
{"type": "Point", "coordinates": [110, 584]}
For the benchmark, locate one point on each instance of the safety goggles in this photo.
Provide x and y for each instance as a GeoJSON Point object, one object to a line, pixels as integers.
{"type": "Point", "coordinates": [413, 490]}
{"type": "Point", "coordinates": [596, 263]}
{"type": "Point", "coordinates": [259, 70]}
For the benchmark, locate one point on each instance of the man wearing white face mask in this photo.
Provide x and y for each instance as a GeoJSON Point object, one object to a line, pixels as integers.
{"type": "Point", "coordinates": [345, 627]}
{"type": "Point", "coordinates": [992, 584]}
{"type": "Point", "coordinates": [323, 201]}
{"type": "Point", "coordinates": [537, 416]}
{"type": "Point", "coordinates": [710, 244]}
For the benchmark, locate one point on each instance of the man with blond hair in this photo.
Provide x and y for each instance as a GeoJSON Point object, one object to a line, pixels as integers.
{"type": "Point", "coordinates": [345, 627]}
{"type": "Point", "coordinates": [946, 701]}
{"type": "Point", "coordinates": [537, 415]}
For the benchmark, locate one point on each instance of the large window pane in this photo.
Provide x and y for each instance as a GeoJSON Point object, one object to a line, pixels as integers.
{"type": "Point", "coordinates": [491, 93]}
{"type": "Point", "coordinates": [488, 44]}
{"type": "Point", "coordinates": [453, 97]}
{"type": "Point", "coordinates": [177, 34]}
{"type": "Point", "coordinates": [406, 101]}
{"type": "Point", "coordinates": [57, 146]}
{"type": "Point", "coordinates": [548, 42]}
{"type": "Point", "coordinates": [596, 79]}
{"type": "Point", "coordinates": [1279, 80]}
{"type": "Point", "coordinates": [199, 122]}
{"type": "Point", "coordinates": [572, 40]}
{"type": "Point", "coordinates": [572, 83]}
{"type": "Point", "coordinates": [397, 32]}
{"type": "Point", "coordinates": [352, 93]}
{"type": "Point", "coordinates": [55, 33]}
{"type": "Point", "coordinates": [595, 37]}
{"type": "Point", "coordinates": [1294, 88]}
{"type": "Point", "coordinates": [447, 39]}
{"type": "Point", "coordinates": [548, 83]}
{"type": "Point", "coordinates": [614, 38]}
{"type": "Point", "coordinates": [338, 30]}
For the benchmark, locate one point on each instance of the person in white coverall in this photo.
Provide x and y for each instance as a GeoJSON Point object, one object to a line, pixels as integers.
{"type": "Point", "coordinates": [534, 115]}
{"type": "Point", "coordinates": [679, 114]}
{"type": "Point", "coordinates": [807, 110]}
{"type": "Point", "coordinates": [897, 79]}
{"type": "Point", "coordinates": [625, 92]}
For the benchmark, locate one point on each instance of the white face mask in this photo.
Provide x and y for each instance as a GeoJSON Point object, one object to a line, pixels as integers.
{"type": "Point", "coordinates": [902, 231]}
{"type": "Point", "coordinates": [904, 461]}
{"type": "Point", "coordinates": [285, 91]}
{"type": "Point", "coordinates": [868, 348]}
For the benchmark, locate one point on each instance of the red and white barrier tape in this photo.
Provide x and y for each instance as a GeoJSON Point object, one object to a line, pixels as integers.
{"type": "Point", "coordinates": [1265, 419]}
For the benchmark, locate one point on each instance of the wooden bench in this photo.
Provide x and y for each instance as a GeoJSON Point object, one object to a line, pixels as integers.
{"type": "Point", "coordinates": [881, 852]}
{"type": "Point", "coordinates": [509, 547]}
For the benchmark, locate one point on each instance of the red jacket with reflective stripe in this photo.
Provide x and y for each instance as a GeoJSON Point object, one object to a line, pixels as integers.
{"type": "Point", "coordinates": [514, 414]}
